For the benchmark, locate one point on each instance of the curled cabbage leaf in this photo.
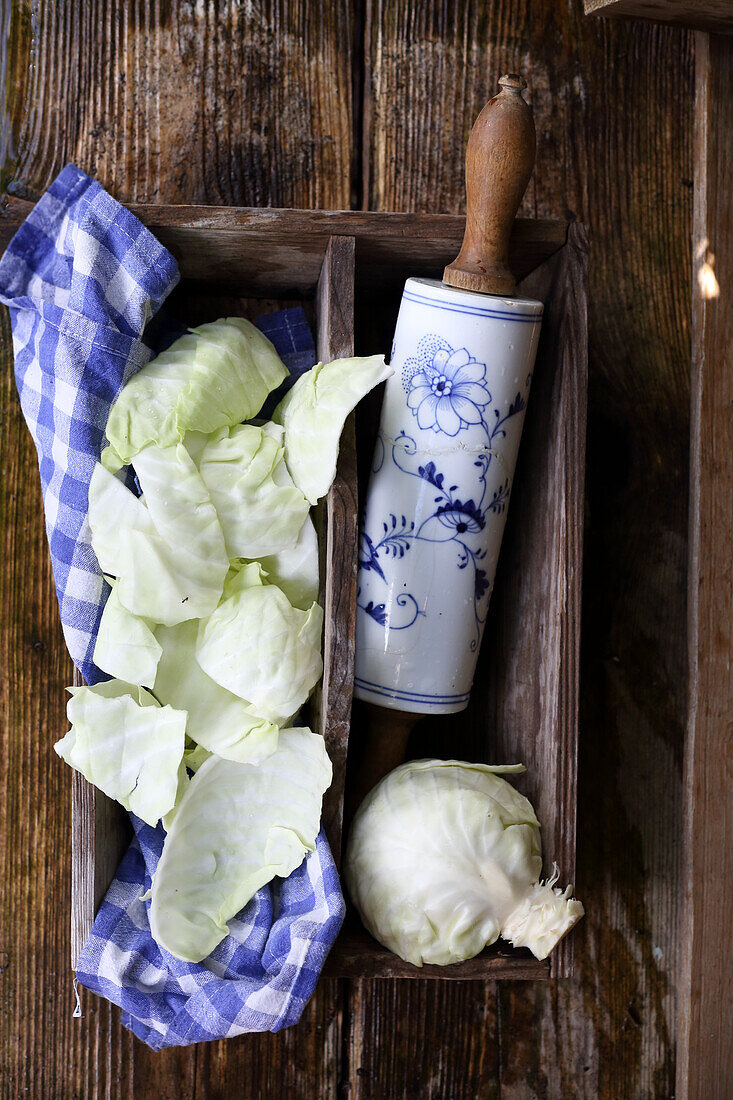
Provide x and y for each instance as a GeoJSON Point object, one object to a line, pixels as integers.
{"type": "Point", "coordinates": [217, 721]}
{"type": "Point", "coordinates": [126, 646]}
{"type": "Point", "coordinates": [295, 570]}
{"type": "Point", "coordinates": [216, 375]}
{"type": "Point", "coordinates": [313, 414]}
{"type": "Point", "coordinates": [167, 549]}
{"type": "Point", "coordinates": [444, 856]}
{"type": "Point", "coordinates": [260, 509]}
{"type": "Point", "coordinates": [261, 648]}
{"type": "Point", "coordinates": [237, 826]}
{"type": "Point", "coordinates": [123, 742]}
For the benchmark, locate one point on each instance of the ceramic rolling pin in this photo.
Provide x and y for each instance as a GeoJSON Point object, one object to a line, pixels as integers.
{"type": "Point", "coordinates": [441, 478]}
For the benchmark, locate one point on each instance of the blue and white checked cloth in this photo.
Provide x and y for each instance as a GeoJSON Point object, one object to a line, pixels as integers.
{"type": "Point", "coordinates": [81, 278]}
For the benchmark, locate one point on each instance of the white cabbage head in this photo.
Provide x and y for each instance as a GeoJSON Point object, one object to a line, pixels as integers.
{"type": "Point", "coordinates": [444, 857]}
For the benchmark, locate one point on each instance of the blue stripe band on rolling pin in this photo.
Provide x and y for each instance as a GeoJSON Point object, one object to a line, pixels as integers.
{"type": "Point", "coordinates": [409, 696]}
{"type": "Point", "coordinates": [474, 311]}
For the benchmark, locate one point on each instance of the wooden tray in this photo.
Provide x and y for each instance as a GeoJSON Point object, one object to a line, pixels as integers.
{"type": "Point", "coordinates": [524, 705]}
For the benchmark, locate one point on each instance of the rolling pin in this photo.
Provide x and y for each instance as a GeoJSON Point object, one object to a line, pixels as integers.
{"type": "Point", "coordinates": [444, 459]}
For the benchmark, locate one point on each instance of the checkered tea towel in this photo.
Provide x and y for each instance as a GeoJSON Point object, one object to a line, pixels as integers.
{"type": "Point", "coordinates": [82, 277]}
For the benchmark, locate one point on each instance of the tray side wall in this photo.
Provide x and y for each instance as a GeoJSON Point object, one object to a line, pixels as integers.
{"type": "Point", "coordinates": [339, 535]}
{"type": "Point", "coordinates": [100, 832]}
{"type": "Point", "coordinates": [528, 675]}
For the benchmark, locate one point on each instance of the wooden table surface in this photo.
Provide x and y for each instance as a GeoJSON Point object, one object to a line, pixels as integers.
{"type": "Point", "coordinates": [368, 104]}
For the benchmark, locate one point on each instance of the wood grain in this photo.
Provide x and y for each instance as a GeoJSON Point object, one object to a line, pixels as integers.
{"type": "Point", "coordinates": [134, 92]}
{"type": "Point", "coordinates": [705, 1068]}
{"type": "Point", "coordinates": [100, 833]}
{"type": "Point", "coordinates": [710, 15]}
{"type": "Point", "coordinates": [339, 539]}
{"type": "Point", "coordinates": [423, 1041]}
{"type": "Point", "coordinates": [357, 955]}
{"type": "Point", "coordinates": [389, 247]}
{"type": "Point", "coordinates": [172, 101]}
{"type": "Point", "coordinates": [16, 35]}
{"type": "Point", "coordinates": [534, 618]}
{"type": "Point", "coordinates": [612, 105]}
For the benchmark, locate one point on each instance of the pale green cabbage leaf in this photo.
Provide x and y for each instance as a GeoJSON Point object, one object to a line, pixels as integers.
{"type": "Point", "coordinates": [126, 646]}
{"type": "Point", "coordinates": [261, 648]}
{"type": "Point", "coordinates": [216, 375]}
{"type": "Point", "coordinates": [260, 509]}
{"type": "Point", "coordinates": [445, 856]}
{"type": "Point", "coordinates": [295, 570]}
{"type": "Point", "coordinates": [217, 721]}
{"type": "Point", "coordinates": [123, 742]}
{"type": "Point", "coordinates": [237, 827]}
{"type": "Point", "coordinates": [182, 782]}
{"type": "Point", "coordinates": [313, 412]}
{"type": "Point", "coordinates": [167, 549]}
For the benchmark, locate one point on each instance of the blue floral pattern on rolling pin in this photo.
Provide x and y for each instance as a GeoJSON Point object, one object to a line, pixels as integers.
{"type": "Point", "coordinates": [445, 388]}
{"type": "Point", "coordinates": [446, 392]}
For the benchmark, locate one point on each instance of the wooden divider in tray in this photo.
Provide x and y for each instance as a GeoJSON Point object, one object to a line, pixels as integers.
{"type": "Point", "coordinates": [349, 268]}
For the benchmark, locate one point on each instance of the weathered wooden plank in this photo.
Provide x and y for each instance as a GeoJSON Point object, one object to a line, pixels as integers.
{"type": "Point", "coordinates": [162, 101]}
{"type": "Point", "coordinates": [705, 1066]}
{"type": "Point", "coordinates": [423, 1040]}
{"type": "Point", "coordinates": [100, 832]}
{"type": "Point", "coordinates": [389, 247]}
{"type": "Point", "coordinates": [16, 36]}
{"type": "Point", "coordinates": [357, 955]}
{"type": "Point", "coordinates": [539, 581]}
{"type": "Point", "coordinates": [180, 102]}
{"type": "Point", "coordinates": [339, 535]}
{"type": "Point", "coordinates": [709, 15]}
{"type": "Point", "coordinates": [612, 108]}
{"type": "Point", "coordinates": [614, 131]}
{"type": "Point", "coordinates": [302, 1062]}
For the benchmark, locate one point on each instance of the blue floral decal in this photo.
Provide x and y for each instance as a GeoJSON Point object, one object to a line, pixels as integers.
{"type": "Point", "coordinates": [445, 392]}
{"type": "Point", "coordinates": [445, 388]}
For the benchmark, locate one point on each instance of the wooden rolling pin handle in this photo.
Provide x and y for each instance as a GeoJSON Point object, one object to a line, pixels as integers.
{"type": "Point", "coordinates": [383, 748]}
{"type": "Point", "coordinates": [499, 161]}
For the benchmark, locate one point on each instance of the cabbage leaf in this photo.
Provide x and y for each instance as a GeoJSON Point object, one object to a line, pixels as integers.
{"type": "Point", "coordinates": [260, 509]}
{"type": "Point", "coordinates": [217, 721]}
{"type": "Point", "coordinates": [191, 761]}
{"type": "Point", "coordinates": [261, 648]}
{"type": "Point", "coordinates": [313, 412]}
{"type": "Point", "coordinates": [123, 742]}
{"type": "Point", "coordinates": [295, 570]}
{"type": "Point", "coordinates": [167, 549]}
{"type": "Point", "coordinates": [237, 826]}
{"type": "Point", "coordinates": [126, 646]}
{"type": "Point", "coordinates": [216, 375]}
